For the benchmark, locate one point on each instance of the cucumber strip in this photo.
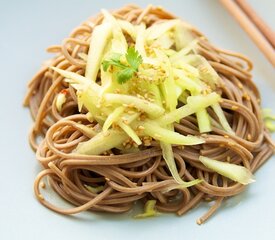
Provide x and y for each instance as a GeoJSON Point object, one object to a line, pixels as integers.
{"type": "Point", "coordinates": [152, 129]}
{"type": "Point", "coordinates": [130, 132]}
{"type": "Point", "coordinates": [219, 112]}
{"type": "Point", "coordinates": [77, 81]}
{"type": "Point", "coordinates": [100, 37]}
{"type": "Point", "coordinates": [203, 121]}
{"type": "Point", "coordinates": [168, 156]}
{"type": "Point", "coordinates": [102, 142]}
{"type": "Point", "coordinates": [149, 210]}
{"type": "Point", "coordinates": [153, 110]}
{"type": "Point", "coordinates": [113, 117]}
{"type": "Point", "coordinates": [194, 104]}
{"type": "Point", "coordinates": [235, 172]}
{"type": "Point", "coordinates": [156, 30]}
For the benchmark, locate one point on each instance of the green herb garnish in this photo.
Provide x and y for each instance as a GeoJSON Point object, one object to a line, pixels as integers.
{"type": "Point", "coordinates": [127, 70]}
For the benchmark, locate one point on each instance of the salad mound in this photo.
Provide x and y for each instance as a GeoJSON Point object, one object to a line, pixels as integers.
{"type": "Point", "coordinates": [141, 80]}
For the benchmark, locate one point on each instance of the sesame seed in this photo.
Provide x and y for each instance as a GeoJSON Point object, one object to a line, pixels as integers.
{"type": "Point", "coordinates": [42, 185]}
{"type": "Point", "coordinates": [246, 96]}
{"type": "Point", "coordinates": [240, 86]}
{"type": "Point", "coordinates": [142, 117]}
{"type": "Point", "coordinates": [40, 196]}
{"type": "Point", "coordinates": [147, 143]}
{"type": "Point", "coordinates": [141, 127]}
{"type": "Point", "coordinates": [131, 105]}
{"type": "Point", "coordinates": [128, 146]}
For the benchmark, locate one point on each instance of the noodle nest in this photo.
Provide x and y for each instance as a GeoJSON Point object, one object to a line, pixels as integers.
{"type": "Point", "coordinates": [122, 179]}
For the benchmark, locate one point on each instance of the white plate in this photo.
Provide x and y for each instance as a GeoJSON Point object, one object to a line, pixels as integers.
{"type": "Point", "coordinates": [27, 28]}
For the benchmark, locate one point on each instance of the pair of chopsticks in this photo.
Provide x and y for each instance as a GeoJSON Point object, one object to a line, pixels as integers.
{"type": "Point", "coordinates": [262, 35]}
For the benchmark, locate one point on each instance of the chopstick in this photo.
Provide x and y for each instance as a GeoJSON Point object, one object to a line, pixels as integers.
{"type": "Point", "coordinates": [258, 21]}
{"type": "Point", "coordinates": [248, 26]}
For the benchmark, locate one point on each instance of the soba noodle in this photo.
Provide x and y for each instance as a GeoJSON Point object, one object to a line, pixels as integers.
{"type": "Point", "coordinates": [143, 175]}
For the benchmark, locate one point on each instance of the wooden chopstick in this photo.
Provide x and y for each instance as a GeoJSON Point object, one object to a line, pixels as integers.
{"type": "Point", "coordinates": [254, 33]}
{"type": "Point", "coordinates": [258, 21]}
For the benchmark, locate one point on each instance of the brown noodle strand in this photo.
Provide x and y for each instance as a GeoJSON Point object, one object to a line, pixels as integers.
{"type": "Point", "coordinates": [143, 175]}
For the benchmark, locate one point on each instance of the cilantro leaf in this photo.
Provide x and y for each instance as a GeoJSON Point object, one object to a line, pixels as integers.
{"type": "Point", "coordinates": [116, 56]}
{"type": "Point", "coordinates": [126, 71]}
{"type": "Point", "coordinates": [114, 60]}
{"type": "Point", "coordinates": [124, 75]}
{"type": "Point", "coordinates": [133, 58]}
{"type": "Point", "coordinates": [106, 65]}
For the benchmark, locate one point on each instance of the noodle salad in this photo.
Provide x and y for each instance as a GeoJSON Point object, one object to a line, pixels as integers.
{"type": "Point", "coordinates": [137, 105]}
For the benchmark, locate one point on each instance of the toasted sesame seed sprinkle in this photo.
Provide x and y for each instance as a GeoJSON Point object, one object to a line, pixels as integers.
{"type": "Point", "coordinates": [240, 86]}
{"type": "Point", "coordinates": [147, 143]}
{"type": "Point", "coordinates": [246, 96]}
{"type": "Point", "coordinates": [40, 196]}
{"type": "Point", "coordinates": [141, 127]}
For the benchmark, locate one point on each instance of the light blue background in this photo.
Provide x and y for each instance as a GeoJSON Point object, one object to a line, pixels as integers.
{"type": "Point", "coordinates": [26, 29]}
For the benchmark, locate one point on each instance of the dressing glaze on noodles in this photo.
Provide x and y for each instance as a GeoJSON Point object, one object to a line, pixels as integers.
{"type": "Point", "coordinates": [114, 180]}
